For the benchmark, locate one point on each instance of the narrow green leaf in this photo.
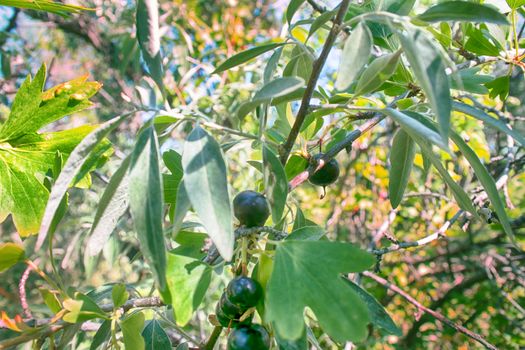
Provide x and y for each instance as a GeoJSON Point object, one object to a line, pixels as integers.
{"type": "Point", "coordinates": [429, 68]}
{"type": "Point", "coordinates": [148, 36]}
{"type": "Point", "coordinates": [377, 73]}
{"type": "Point", "coordinates": [171, 182]}
{"type": "Point", "coordinates": [206, 184]}
{"type": "Point", "coordinates": [402, 156]}
{"type": "Point", "coordinates": [112, 205]}
{"type": "Point", "coordinates": [355, 55]}
{"type": "Point", "coordinates": [188, 280]}
{"type": "Point", "coordinates": [131, 328]}
{"type": "Point", "coordinates": [462, 11]}
{"type": "Point", "coordinates": [275, 183]}
{"type": "Point", "coordinates": [10, 254]}
{"type": "Point", "coordinates": [490, 121]}
{"type": "Point", "coordinates": [73, 165]}
{"type": "Point", "coordinates": [378, 315]}
{"type": "Point", "coordinates": [321, 21]}
{"type": "Point", "coordinates": [487, 181]}
{"type": "Point", "coordinates": [272, 64]}
{"type": "Point", "coordinates": [245, 56]}
{"type": "Point", "coordinates": [101, 336]}
{"type": "Point", "coordinates": [181, 207]}
{"type": "Point", "coordinates": [415, 128]}
{"type": "Point", "coordinates": [155, 338]}
{"type": "Point", "coordinates": [298, 281]}
{"type": "Point", "coordinates": [279, 87]}
{"type": "Point", "coordinates": [292, 9]}
{"type": "Point", "coordinates": [58, 8]}
{"type": "Point", "coordinates": [146, 205]}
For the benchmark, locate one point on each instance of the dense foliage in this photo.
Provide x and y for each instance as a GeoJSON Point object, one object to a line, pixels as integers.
{"type": "Point", "coordinates": [262, 174]}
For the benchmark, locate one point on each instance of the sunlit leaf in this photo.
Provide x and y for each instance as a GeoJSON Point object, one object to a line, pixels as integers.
{"type": "Point", "coordinates": [206, 184]}
{"type": "Point", "coordinates": [10, 254]}
{"type": "Point", "coordinates": [462, 11]}
{"type": "Point", "coordinates": [356, 52]}
{"type": "Point", "coordinates": [429, 68]}
{"type": "Point", "coordinates": [401, 159]}
{"type": "Point", "coordinates": [299, 281]}
{"type": "Point", "coordinates": [245, 56]}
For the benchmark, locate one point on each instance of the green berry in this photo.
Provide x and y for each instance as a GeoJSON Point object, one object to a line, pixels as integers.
{"type": "Point", "coordinates": [253, 337]}
{"type": "Point", "coordinates": [229, 309]}
{"type": "Point", "coordinates": [244, 292]}
{"type": "Point", "coordinates": [327, 174]}
{"type": "Point", "coordinates": [251, 208]}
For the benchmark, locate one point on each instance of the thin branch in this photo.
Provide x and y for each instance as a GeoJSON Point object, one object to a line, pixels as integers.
{"type": "Point", "coordinates": [433, 313]}
{"type": "Point", "coordinates": [317, 7]}
{"type": "Point", "coordinates": [213, 253]}
{"type": "Point", "coordinates": [312, 82]}
{"type": "Point", "coordinates": [423, 241]}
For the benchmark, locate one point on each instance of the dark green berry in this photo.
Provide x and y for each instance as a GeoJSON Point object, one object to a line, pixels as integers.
{"type": "Point", "coordinates": [327, 174]}
{"type": "Point", "coordinates": [229, 309]}
{"type": "Point", "coordinates": [251, 208]}
{"type": "Point", "coordinates": [244, 292]}
{"type": "Point", "coordinates": [253, 337]}
{"type": "Point", "coordinates": [228, 322]}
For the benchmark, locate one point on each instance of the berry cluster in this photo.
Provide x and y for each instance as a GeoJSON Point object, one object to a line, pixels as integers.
{"type": "Point", "coordinates": [241, 294]}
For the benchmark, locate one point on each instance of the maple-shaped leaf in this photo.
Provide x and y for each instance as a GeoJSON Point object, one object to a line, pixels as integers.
{"type": "Point", "coordinates": [26, 155]}
{"type": "Point", "coordinates": [308, 274]}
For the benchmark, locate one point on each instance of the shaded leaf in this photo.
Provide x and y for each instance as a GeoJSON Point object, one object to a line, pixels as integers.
{"type": "Point", "coordinates": [275, 183]}
{"type": "Point", "coordinates": [292, 9]}
{"type": "Point", "coordinates": [112, 205]}
{"type": "Point", "coordinates": [155, 338]}
{"type": "Point", "coordinates": [378, 315]}
{"type": "Point", "coordinates": [146, 205]}
{"type": "Point", "coordinates": [401, 160]}
{"type": "Point", "coordinates": [101, 336]}
{"type": "Point", "coordinates": [148, 37]}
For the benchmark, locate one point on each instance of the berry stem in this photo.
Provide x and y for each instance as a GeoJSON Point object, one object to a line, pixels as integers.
{"type": "Point", "coordinates": [244, 255]}
{"type": "Point", "coordinates": [210, 344]}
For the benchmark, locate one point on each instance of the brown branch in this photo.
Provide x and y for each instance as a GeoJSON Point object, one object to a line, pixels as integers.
{"type": "Point", "coordinates": [431, 312]}
{"type": "Point", "coordinates": [423, 241]}
{"type": "Point", "coordinates": [312, 82]}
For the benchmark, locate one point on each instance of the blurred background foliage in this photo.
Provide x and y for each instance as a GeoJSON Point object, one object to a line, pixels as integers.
{"type": "Point", "coordinates": [473, 276]}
